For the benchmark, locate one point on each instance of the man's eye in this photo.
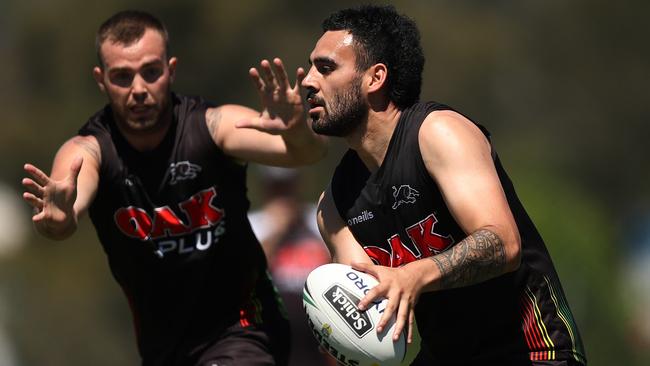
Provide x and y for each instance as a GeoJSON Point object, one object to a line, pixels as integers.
{"type": "Point", "coordinates": [324, 69]}
{"type": "Point", "coordinates": [151, 74]}
{"type": "Point", "coordinates": [123, 79]}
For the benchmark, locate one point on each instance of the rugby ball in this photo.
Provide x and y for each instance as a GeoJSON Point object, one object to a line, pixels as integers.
{"type": "Point", "coordinates": [330, 297]}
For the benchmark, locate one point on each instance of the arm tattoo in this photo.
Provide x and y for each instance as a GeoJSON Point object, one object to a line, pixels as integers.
{"type": "Point", "coordinates": [212, 118]}
{"type": "Point", "coordinates": [479, 257]}
{"type": "Point", "coordinates": [90, 147]}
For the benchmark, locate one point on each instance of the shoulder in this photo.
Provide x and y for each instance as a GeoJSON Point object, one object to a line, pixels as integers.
{"type": "Point", "coordinates": [86, 145]}
{"type": "Point", "coordinates": [449, 130]}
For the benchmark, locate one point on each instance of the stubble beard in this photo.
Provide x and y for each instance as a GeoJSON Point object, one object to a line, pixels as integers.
{"type": "Point", "coordinates": [139, 127]}
{"type": "Point", "coordinates": [346, 112]}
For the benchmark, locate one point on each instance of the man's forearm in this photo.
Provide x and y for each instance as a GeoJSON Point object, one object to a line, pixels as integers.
{"type": "Point", "coordinates": [479, 257]}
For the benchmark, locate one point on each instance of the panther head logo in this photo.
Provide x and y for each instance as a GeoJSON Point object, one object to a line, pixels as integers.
{"type": "Point", "coordinates": [404, 194]}
{"type": "Point", "coordinates": [183, 170]}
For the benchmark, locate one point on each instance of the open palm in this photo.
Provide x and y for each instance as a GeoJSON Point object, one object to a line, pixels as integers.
{"type": "Point", "coordinates": [52, 200]}
{"type": "Point", "coordinates": [282, 106]}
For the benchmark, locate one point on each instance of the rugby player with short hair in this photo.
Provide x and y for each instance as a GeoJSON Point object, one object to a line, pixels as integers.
{"type": "Point", "coordinates": [163, 177]}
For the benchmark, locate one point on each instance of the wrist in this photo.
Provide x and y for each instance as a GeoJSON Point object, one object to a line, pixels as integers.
{"type": "Point", "coordinates": [425, 273]}
{"type": "Point", "coordinates": [57, 230]}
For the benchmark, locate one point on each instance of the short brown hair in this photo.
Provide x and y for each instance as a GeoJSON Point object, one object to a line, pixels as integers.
{"type": "Point", "coordinates": [127, 27]}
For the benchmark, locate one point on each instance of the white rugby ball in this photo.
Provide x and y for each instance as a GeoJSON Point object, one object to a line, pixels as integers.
{"type": "Point", "coordinates": [330, 297]}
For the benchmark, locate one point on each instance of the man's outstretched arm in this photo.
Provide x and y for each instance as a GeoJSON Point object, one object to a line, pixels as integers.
{"type": "Point", "coordinates": [62, 197]}
{"type": "Point", "coordinates": [278, 135]}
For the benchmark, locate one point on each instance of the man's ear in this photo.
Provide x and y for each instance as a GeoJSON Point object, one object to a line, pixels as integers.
{"type": "Point", "coordinates": [98, 74]}
{"type": "Point", "coordinates": [377, 77]}
{"type": "Point", "coordinates": [172, 69]}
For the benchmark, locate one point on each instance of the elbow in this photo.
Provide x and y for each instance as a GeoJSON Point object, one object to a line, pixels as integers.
{"type": "Point", "coordinates": [513, 252]}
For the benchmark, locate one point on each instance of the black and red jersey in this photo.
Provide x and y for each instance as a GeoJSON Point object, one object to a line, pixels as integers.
{"type": "Point", "coordinates": [173, 223]}
{"type": "Point", "coordinates": [398, 215]}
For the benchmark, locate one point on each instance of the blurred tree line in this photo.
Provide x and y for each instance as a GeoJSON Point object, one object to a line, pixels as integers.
{"type": "Point", "coordinates": [561, 85]}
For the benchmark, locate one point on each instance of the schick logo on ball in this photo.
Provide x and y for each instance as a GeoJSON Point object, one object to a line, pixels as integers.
{"type": "Point", "coordinates": [345, 304]}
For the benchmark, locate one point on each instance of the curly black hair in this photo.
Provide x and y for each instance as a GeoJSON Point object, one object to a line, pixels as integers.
{"type": "Point", "coordinates": [381, 35]}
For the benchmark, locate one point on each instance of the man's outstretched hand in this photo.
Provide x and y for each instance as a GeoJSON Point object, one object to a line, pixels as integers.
{"type": "Point", "coordinates": [282, 105]}
{"type": "Point", "coordinates": [52, 200]}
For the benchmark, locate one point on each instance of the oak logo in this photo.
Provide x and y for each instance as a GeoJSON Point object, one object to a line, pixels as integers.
{"type": "Point", "coordinates": [345, 305]}
{"type": "Point", "coordinates": [135, 222]}
{"type": "Point", "coordinates": [423, 241]}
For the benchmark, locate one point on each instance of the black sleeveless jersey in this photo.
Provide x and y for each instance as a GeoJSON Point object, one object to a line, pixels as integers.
{"type": "Point", "coordinates": [173, 223]}
{"type": "Point", "coordinates": [398, 215]}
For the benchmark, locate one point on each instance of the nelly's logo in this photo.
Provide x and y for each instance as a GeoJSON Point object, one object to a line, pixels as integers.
{"type": "Point", "coordinates": [365, 216]}
{"type": "Point", "coordinates": [345, 304]}
{"type": "Point", "coordinates": [135, 222]}
{"type": "Point", "coordinates": [183, 170]}
{"type": "Point", "coordinates": [404, 194]}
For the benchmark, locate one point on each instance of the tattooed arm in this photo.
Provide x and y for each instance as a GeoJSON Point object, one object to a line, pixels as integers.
{"type": "Point", "coordinates": [477, 258]}
{"type": "Point", "coordinates": [62, 197]}
{"type": "Point", "coordinates": [459, 158]}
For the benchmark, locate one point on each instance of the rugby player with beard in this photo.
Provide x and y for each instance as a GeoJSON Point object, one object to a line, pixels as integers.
{"type": "Point", "coordinates": [422, 202]}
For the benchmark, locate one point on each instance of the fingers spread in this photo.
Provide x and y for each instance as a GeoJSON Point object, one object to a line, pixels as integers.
{"type": "Point", "coordinates": [371, 295]}
{"type": "Point", "coordinates": [38, 175]}
{"type": "Point", "coordinates": [267, 76]}
{"type": "Point", "coordinates": [256, 78]}
{"type": "Point", "coordinates": [282, 79]}
{"type": "Point", "coordinates": [33, 187]}
{"type": "Point", "coordinates": [388, 313]}
{"type": "Point", "coordinates": [300, 76]}
{"type": "Point", "coordinates": [33, 201]}
{"type": "Point", "coordinates": [402, 318]}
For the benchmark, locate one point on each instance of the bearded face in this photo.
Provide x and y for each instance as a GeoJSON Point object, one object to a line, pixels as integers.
{"type": "Point", "coordinates": [342, 113]}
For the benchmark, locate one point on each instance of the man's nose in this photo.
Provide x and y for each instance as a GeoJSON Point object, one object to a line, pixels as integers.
{"type": "Point", "coordinates": [309, 82]}
{"type": "Point", "coordinates": [139, 89]}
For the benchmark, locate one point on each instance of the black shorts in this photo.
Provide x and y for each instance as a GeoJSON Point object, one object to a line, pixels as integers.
{"type": "Point", "coordinates": [248, 346]}
{"type": "Point", "coordinates": [260, 338]}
